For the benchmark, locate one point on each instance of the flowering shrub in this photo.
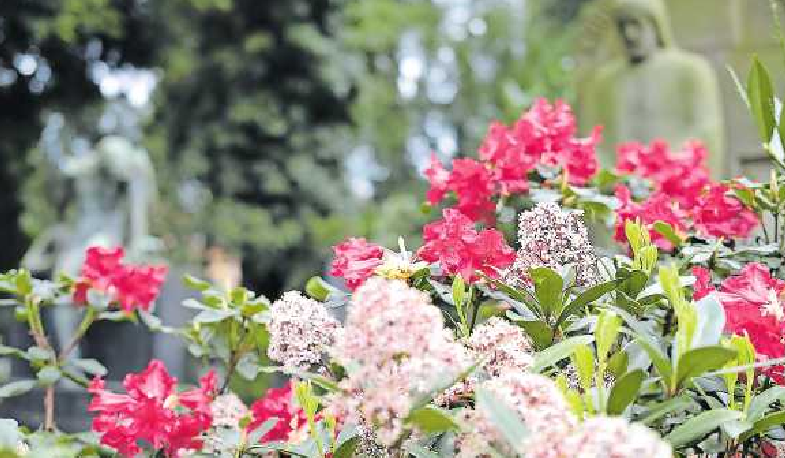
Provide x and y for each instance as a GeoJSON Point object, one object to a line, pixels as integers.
{"type": "Point", "coordinates": [472, 345]}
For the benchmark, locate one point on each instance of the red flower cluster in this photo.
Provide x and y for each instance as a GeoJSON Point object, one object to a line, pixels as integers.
{"type": "Point", "coordinates": [152, 412]}
{"type": "Point", "coordinates": [543, 135]}
{"type": "Point", "coordinates": [684, 196]}
{"type": "Point", "coordinates": [455, 243]}
{"type": "Point", "coordinates": [658, 207]}
{"type": "Point", "coordinates": [277, 403]}
{"type": "Point", "coordinates": [356, 260]}
{"type": "Point", "coordinates": [717, 214]}
{"type": "Point", "coordinates": [753, 305]}
{"type": "Point", "coordinates": [131, 287]}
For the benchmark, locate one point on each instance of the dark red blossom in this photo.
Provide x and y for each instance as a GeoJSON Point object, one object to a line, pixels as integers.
{"type": "Point", "coordinates": [152, 412]}
{"type": "Point", "coordinates": [278, 403]}
{"type": "Point", "coordinates": [129, 286]}
{"type": "Point", "coordinates": [355, 261]}
{"type": "Point", "coordinates": [460, 249]}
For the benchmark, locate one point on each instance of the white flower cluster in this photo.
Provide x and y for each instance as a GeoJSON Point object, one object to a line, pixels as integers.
{"type": "Point", "coordinates": [396, 350]}
{"type": "Point", "coordinates": [554, 432]}
{"type": "Point", "coordinates": [550, 237]}
{"type": "Point", "coordinates": [501, 347]}
{"type": "Point", "coordinates": [301, 330]}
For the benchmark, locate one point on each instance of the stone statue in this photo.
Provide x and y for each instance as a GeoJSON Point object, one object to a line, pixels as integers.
{"type": "Point", "coordinates": [113, 189]}
{"type": "Point", "coordinates": [656, 90]}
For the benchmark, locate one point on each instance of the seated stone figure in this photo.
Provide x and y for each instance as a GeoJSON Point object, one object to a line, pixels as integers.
{"type": "Point", "coordinates": [656, 90]}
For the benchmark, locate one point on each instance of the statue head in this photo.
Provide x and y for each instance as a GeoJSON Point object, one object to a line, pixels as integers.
{"type": "Point", "coordinates": [643, 26]}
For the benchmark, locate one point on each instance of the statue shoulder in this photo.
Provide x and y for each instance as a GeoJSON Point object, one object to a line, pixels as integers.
{"type": "Point", "coordinates": [688, 63]}
{"type": "Point", "coordinates": [607, 73]}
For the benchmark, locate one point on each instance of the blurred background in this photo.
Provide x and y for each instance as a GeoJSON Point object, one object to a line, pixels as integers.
{"type": "Point", "coordinates": [239, 139]}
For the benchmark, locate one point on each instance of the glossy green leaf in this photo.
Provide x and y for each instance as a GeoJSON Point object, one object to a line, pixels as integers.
{"type": "Point", "coordinates": [698, 361]}
{"type": "Point", "coordinates": [539, 331]}
{"type": "Point", "coordinates": [667, 231]}
{"type": "Point", "coordinates": [548, 286]}
{"type": "Point", "coordinates": [587, 297]}
{"type": "Point", "coordinates": [16, 388]}
{"type": "Point", "coordinates": [763, 401]}
{"type": "Point", "coordinates": [625, 391]}
{"type": "Point", "coordinates": [90, 366]}
{"type": "Point", "coordinates": [764, 424]}
{"type": "Point", "coordinates": [761, 96]}
{"type": "Point", "coordinates": [48, 375]}
{"type": "Point", "coordinates": [700, 425]}
{"type": "Point", "coordinates": [432, 420]}
{"type": "Point", "coordinates": [559, 351]}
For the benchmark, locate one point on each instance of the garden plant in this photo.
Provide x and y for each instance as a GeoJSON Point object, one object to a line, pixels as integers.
{"type": "Point", "coordinates": [515, 330]}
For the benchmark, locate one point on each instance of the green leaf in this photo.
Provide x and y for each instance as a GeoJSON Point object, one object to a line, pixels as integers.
{"type": "Point", "coordinates": [458, 291]}
{"type": "Point", "coordinates": [48, 375]}
{"type": "Point", "coordinates": [583, 360]}
{"type": "Point", "coordinates": [625, 391]}
{"type": "Point", "coordinates": [90, 366]}
{"type": "Point", "coordinates": [617, 364]}
{"type": "Point", "coordinates": [213, 316]}
{"type": "Point", "coordinates": [346, 449]}
{"type": "Point", "coordinates": [763, 402]}
{"type": "Point", "coordinates": [659, 410]}
{"type": "Point", "coordinates": [667, 231]}
{"type": "Point", "coordinates": [764, 424]}
{"type": "Point", "coordinates": [606, 332]}
{"type": "Point", "coordinates": [587, 297]}
{"type": "Point", "coordinates": [660, 360]}
{"type": "Point", "coordinates": [9, 434]}
{"type": "Point", "coordinates": [318, 289]}
{"type": "Point", "coordinates": [39, 354]}
{"type": "Point", "coordinates": [698, 361]}
{"type": "Point", "coordinates": [195, 283]}
{"type": "Point", "coordinates": [700, 425]}
{"type": "Point", "coordinates": [539, 331]}
{"type": "Point", "coordinates": [432, 420]}
{"type": "Point", "coordinates": [548, 287]}
{"type": "Point", "coordinates": [761, 97]}
{"type": "Point", "coordinates": [561, 350]}
{"type": "Point", "coordinates": [503, 417]}
{"type": "Point", "coordinates": [419, 452]}
{"type": "Point", "coordinates": [16, 388]}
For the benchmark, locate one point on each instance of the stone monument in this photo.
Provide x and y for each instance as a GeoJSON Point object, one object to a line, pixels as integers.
{"type": "Point", "coordinates": [113, 189]}
{"type": "Point", "coordinates": [654, 89]}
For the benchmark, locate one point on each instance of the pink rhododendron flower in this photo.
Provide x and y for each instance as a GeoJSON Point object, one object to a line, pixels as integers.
{"type": "Point", "coordinates": [131, 287]}
{"type": "Point", "coordinates": [702, 286]}
{"type": "Point", "coordinates": [438, 178]}
{"type": "Point", "coordinates": [473, 185]}
{"type": "Point", "coordinates": [277, 403]}
{"type": "Point", "coordinates": [356, 260]}
{"type": "Point", "coordinates": [718, 214]}
{"type": "Point", "coordinates": [681, 175]}
{"type": "Point", "coordinates": [753, 306]}
{"type": "Point", "coordinates": [152, 412]}
{"type": "Point", "coordinates": [658, 207]}
{"type": "Point", "coordinates": [461, 249]}
{"type": "Point", "coordinates": [509, 159]}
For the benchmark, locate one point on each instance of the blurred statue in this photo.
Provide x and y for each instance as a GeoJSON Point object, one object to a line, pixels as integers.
{"type": "Point", "coordinates": [113, 189]}
{"type": "Point", "coordinates": [656, 90]}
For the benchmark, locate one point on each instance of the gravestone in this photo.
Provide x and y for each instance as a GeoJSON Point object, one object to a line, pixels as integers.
{"type": "Point", "coordinates": [726, 33]}
{"type": "Point", "coordinates": [653, 89]}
